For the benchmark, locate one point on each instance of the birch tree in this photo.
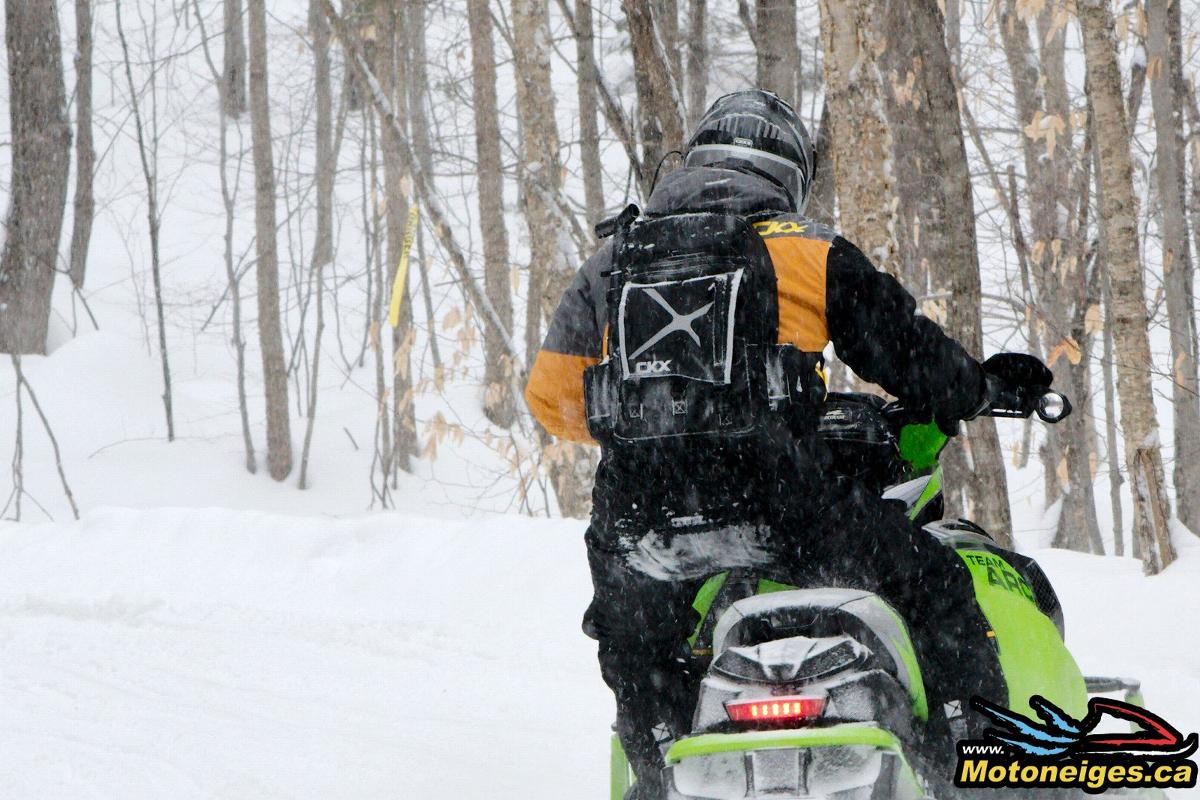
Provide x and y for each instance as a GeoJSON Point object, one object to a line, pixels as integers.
{"type": "Point", "coordinates": [1165, 75]}
{"type": "Point", "coordinates": [1118, 214]}
{"type": "Point", "coordinates": [41, 160]}
{"type": "Point", "coordinates": [1055, 255]}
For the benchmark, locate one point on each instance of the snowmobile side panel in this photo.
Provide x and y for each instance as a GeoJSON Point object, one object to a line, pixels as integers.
{"type": "Point", "coordinates": [932, 489]}
{"type": "Point", "coordinates": [920, 445]}
{"type": "Point", "coordinates": [766, 586]}
{"type": "Point", "coordinates": [621, 775]}
{"type": "Point", "coordinates": [903, 647]}
{"type": "Point", "coordinates": [1033, 655]}
{"type": "Point", "coordinates": [703, 602]}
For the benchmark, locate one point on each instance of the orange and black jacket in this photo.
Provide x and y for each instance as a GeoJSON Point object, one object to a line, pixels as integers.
{"type": "Point", "coordinates": [828, 292]}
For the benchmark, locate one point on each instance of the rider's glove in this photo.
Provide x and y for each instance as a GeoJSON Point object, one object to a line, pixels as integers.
{"type": "Point", "coordinates": [1019, 371]}
{"type": "Point", "coordinates": [1005, 372]}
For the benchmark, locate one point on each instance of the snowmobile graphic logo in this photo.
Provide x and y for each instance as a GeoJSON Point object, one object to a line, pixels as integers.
{"type": "Point", "coordinates": [679, 322]}
{"type": "Point", "coordinates": [1058, 750]}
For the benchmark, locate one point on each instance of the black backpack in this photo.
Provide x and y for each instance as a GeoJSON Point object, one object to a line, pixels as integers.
{"type": "Point", "coordinates": [690, 340]}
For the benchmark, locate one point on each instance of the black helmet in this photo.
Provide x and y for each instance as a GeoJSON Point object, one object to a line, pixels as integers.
{"type": "Point", "coordinates": [754, 129]}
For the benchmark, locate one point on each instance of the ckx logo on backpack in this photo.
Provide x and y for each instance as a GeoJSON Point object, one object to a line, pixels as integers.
{"type": "Point", "coordinates": [692, 324]}
{"type": "Point", "coordinates": [652, 367]}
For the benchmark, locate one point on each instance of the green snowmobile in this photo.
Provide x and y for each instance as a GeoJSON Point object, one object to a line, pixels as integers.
{"type": "Point", "coordinates": [816, 692]}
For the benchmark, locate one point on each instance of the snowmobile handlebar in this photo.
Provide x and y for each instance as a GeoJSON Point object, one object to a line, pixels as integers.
{"type": "Point", "coordinates": [1003, 401]}
{"type": "Point", "coordinates": [1021, 402]}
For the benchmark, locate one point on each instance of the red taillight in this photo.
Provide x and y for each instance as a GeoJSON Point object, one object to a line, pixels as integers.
{"type": "Point", "coordinates": [776, 709]}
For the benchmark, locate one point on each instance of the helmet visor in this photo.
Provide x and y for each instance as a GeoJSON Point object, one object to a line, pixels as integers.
{"type": "Point", "coordinates": [781, 170]}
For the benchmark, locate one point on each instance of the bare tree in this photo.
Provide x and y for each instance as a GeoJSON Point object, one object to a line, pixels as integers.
{"type": "Point", "coordinates": [859, 142]}
{"type": "Point", "coordinates": [418, 102]}
{"type": "Point", "coordinates": [322, 253]}
{"type": "Point", "coordinates": [388, 63]}
{"type": "Point", "coordinates": [41, 161]}
{"type": "Point", "coordinates": [936, 228]}
{"type": "Point", "coordinates": [18, 478]}
{"type": "Point", "coordinates": [235, 59]}
{"type": "Point", "coordinates": [270, 334]}
{"type": "Point", "coordinates": [1057, 271]}
{"type": "Point", "coordinates": [1118, 214]}
{"type": "Point", "coordinates": [658, 106]}
{"type": "Point", "coordinates": [549, 269]}
{"type": "Point", "coordinates": [85, 150]}
{"type": "Point", "coordinates": [1166, 95]}
{"type": "Point", "coordinates": [148, 154]}
{"type": "Point", "coordinates": [232, 275]}
{"type": "Point", "coordinates": [697, 61]}
{"type": "Point", "coordinates": [778, 53]}
{"type": "Point", "coordinates": [589, 127]}
{"type": "Point", "coordinates": [498, 403]}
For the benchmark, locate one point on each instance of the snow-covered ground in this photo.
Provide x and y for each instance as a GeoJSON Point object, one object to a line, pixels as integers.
{"type": "Point", "coordinates": [207, 653]}
{"type": "Point", "coordinates": [205, 633]}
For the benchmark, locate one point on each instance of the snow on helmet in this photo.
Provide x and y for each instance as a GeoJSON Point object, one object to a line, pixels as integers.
{"type": "Point", "coordinates": [754, 129]}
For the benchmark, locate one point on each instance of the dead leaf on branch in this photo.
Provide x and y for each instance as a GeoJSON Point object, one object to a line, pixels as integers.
{"type": "Point", "coordinates": [1067, 347]}
{"type": "Point", "coordinates": [1029, 9]}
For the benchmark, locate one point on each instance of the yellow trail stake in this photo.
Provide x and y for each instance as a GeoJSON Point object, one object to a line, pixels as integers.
{"type": "Point", "coordinates": [410, 231]}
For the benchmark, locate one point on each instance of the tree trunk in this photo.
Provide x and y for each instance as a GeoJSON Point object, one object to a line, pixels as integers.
{"type": "Point", "coordinates": [778, 54]}
{"type": "Point", "coordinates": [589, 126]}
{"type": "Point", "coordinates": [859, 145]}
{"type": "Point", "coordinates": [235, 59]}
{"type": "Point", "coordinates": [1118, 216]}
{"type": "Point", "coordinates": [666, 20]}
{"type": "Point", "coordinates": [270, 333]}
{"type": "Point", "coordinates": [697, 62]}
{"type": "Point", "coordinates": [148, 155]}
{"type": "Point", "coordinates": [823, 196]}
{"type": "Point", "coordinates": [85, 151]}
{"type": "Point", "coordinates": [661, 122]}
{"type": "Point", "coordinates": [393, 71]}
{"type": "Point", "coordinates": [937, 226]}
{"type": "Point", "coordinates": [41, 161]}
{"type": "Point", "coordinates": [233, 279]}
{"type": "Point", "coordinates": [491, 202]}
{"type": "Point", "coordinates": [1166, 85]}
{"type": "Point", "coordinates": [1055, 262]}
{"type": "Point", "coordinates": [549, 274]}
{"type": "Point", "coordinates": [323, 243]}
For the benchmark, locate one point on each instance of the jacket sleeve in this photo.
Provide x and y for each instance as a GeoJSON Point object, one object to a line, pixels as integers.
{"type": "Point", "coordinates": [876, 330]}
{"type": "Point", "coordinates": [554, 391]}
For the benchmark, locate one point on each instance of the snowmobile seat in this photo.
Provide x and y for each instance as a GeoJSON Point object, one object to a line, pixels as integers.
{"type": "Point", "coordinates": [816, 613]}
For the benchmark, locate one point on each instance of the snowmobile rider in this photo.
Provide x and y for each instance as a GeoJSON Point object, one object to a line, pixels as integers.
{"type": "Point", "coordinates": [684, 507]}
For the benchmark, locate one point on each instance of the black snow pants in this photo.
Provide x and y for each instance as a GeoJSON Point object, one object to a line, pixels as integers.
{"type": "Point", "coordinates": [839, 535]}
